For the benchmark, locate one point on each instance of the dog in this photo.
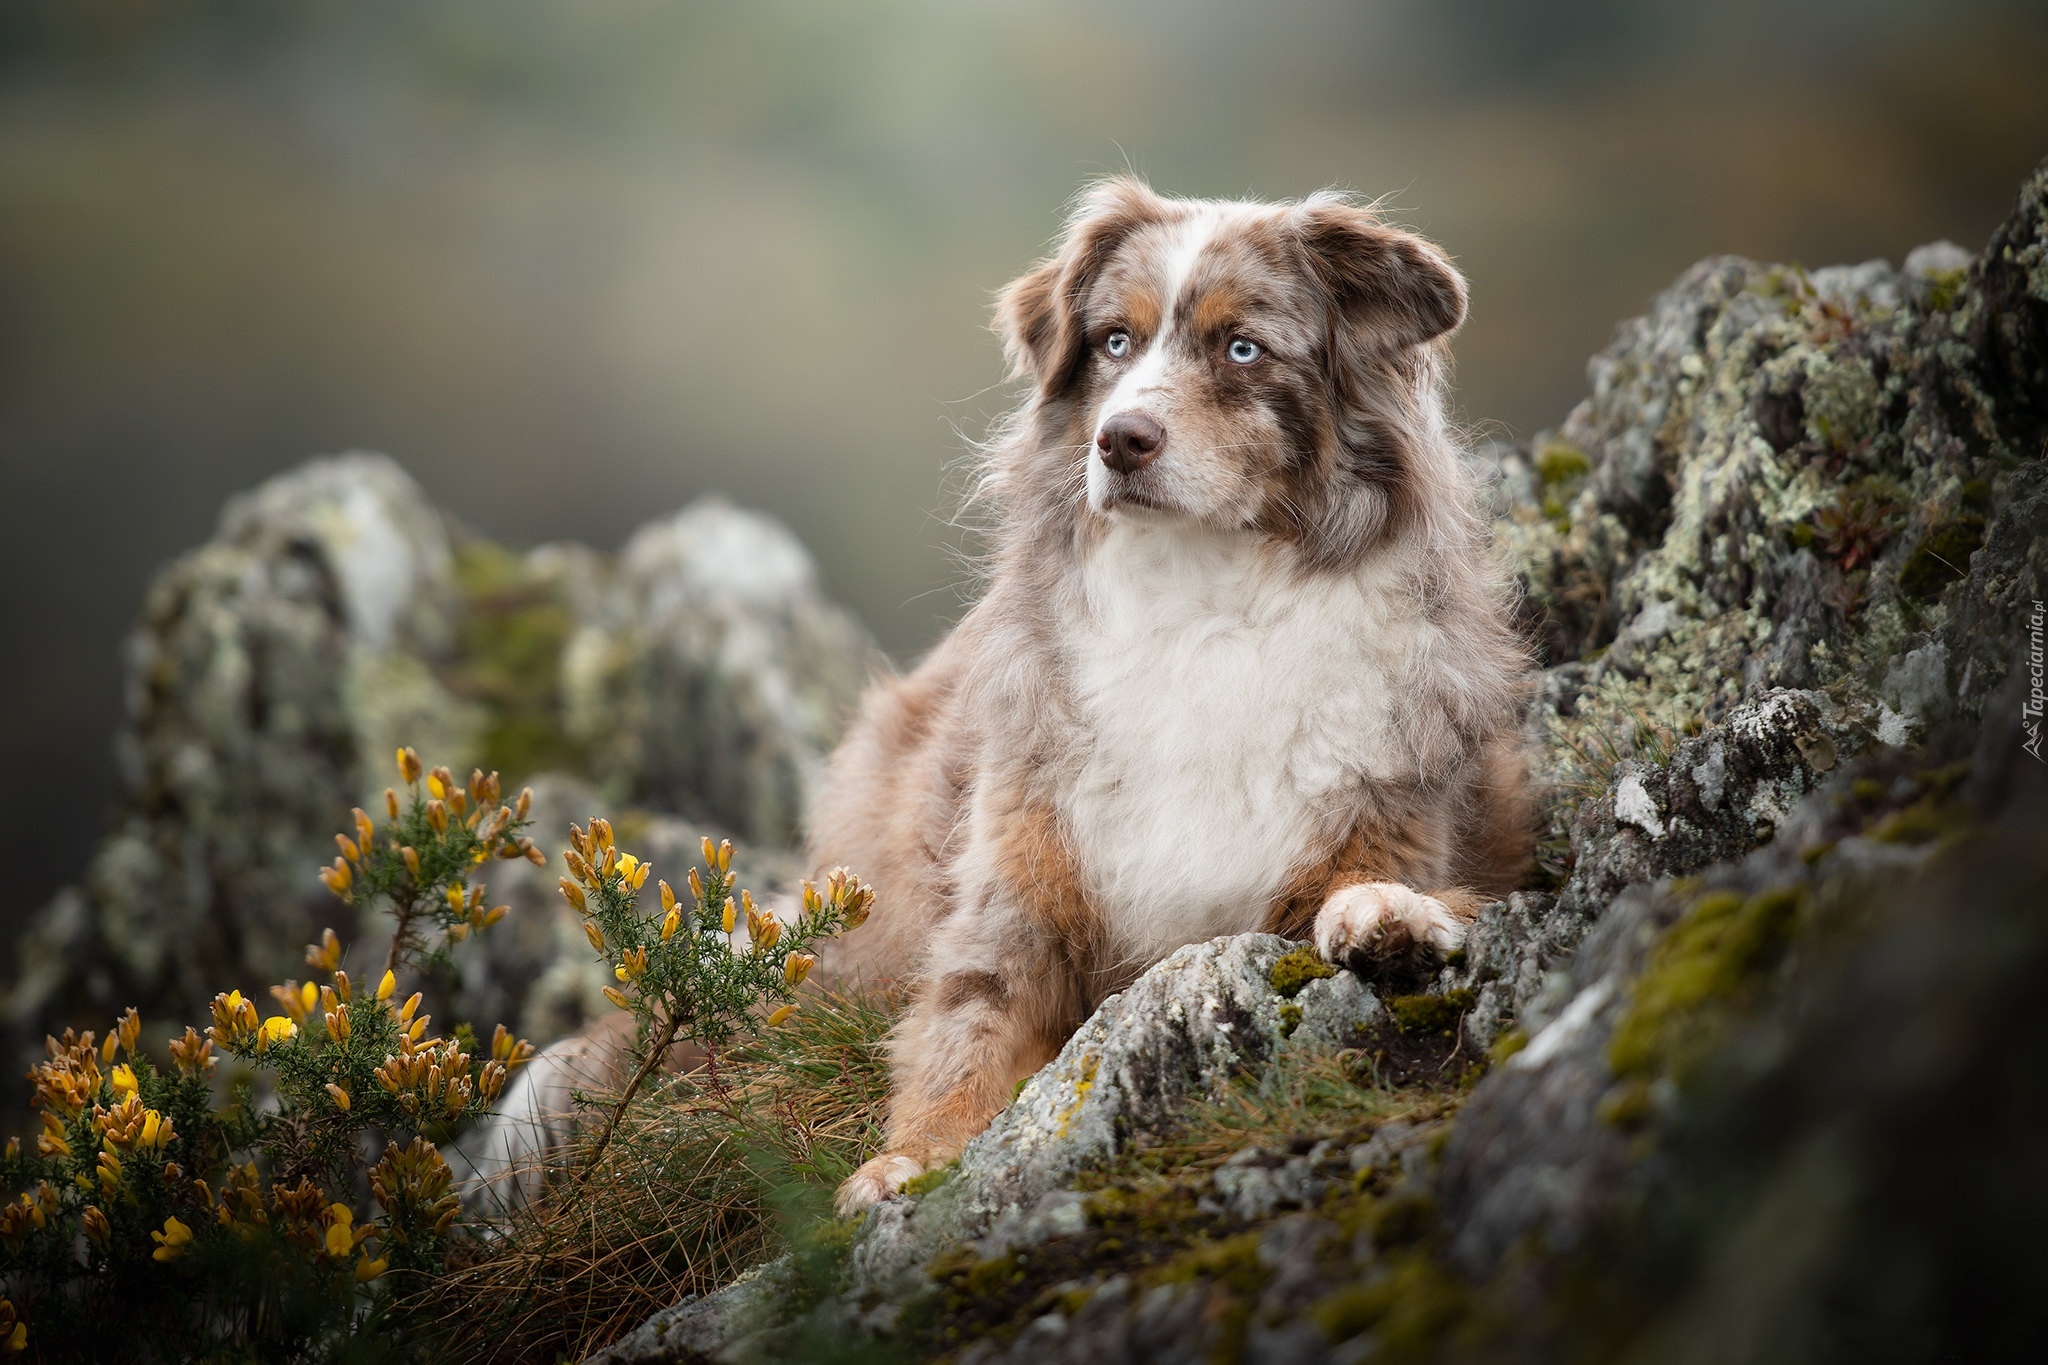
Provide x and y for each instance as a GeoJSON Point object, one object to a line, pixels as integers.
{"type": "Point", "coordinates": [1244, 659]}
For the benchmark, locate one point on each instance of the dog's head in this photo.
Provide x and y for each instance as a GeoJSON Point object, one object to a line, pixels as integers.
{"type": "Point", "coordinates": [1274, 367]}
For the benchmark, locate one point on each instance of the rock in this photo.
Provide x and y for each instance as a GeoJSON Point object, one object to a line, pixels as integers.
{"type": "Point", "coordinates": [709, 676]}
{"type": "Point", "coordinates": [333, 617]}
{"type": "Point", "coordinates": [264, 663]}
{"type": "Point", "coordinates": [1207, 1013]}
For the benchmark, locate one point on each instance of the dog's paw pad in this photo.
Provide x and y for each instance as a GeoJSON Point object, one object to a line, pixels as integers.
{"type": "Point", "coordinates": [1377, 920]}
{"type": "Point", "coordinates": [875, 1181]}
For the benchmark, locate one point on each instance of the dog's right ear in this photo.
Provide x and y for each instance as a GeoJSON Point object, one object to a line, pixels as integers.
{"type": "Point", "coordinates": [1039, 315]}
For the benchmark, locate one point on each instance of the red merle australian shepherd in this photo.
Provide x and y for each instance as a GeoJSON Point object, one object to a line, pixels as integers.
{"type": "Point", "coordinates": [1244, 660]}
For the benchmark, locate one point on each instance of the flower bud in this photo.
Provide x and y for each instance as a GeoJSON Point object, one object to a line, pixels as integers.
{"type": "Point", "coordinates": [573, 894]}
{"type": "Point", "coordinates": [795, 968]}
{"type": "Point", "coordinates": [724, 856]}
{"type": "Point", "coordinates": [391, 803]}
{"type": "Point", "coordinates": [728, 920]}
{"type": "Point", "coordinates": [668, 896]}
{"type": "Point", "coordinates": [412, 861]}
{"type": "Point", "coordinates": [339, 1096]}
{"type": "Point", "coordinates": [341, 987]}
{"type": "Point", "coordinates": [779, 1015]}
{"type": "Point", "coordinates": [525, 806]}
{"type": "Point", "coordinates": [590, 931]}
{"type": "Point", "coordinates": [617, 997]}
{"type": "Point", "coordinates": [531, 852]}
{"type": "Point", "coordinates": [437, 816]}
{"type": "Point", "coordinates": [408, 766]}
{"type": "Point", "coordinates": [387, 985]}
{"type": "Point", "coordinates": [348, 848]}
{"type": "Point", "coordinates": [671, 922]}
{"type": "Point", "coordinates": [493, 915]}
{"type": "Point", "coordinates": [365, 831]}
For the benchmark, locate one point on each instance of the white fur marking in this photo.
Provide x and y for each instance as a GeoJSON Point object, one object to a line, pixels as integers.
{"type": "Point", "coordinates": [1357, 917]}
{"type": "Point", "coordinates": [1148, 372]}
{"type": "Point", "coordinates": [1234, 707]}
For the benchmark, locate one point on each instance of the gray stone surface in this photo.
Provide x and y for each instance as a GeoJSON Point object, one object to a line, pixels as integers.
{"type": "Point", "coordinates": [699, 679]}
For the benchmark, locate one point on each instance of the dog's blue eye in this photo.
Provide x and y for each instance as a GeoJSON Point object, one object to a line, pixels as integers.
{"type": "Point", "coordinates": [1243, 352]}
{"type": "Point", "coordinates": [1118, 344]}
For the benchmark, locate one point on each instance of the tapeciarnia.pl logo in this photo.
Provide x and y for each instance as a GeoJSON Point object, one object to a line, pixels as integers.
{"type": "Point", "coordinates": [2030, 714]}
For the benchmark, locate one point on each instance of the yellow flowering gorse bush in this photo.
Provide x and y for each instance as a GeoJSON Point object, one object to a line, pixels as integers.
{"type": "Point", "coordinates": [229, 1219]}
{"type": "Point", "coordinates": [705, 971]}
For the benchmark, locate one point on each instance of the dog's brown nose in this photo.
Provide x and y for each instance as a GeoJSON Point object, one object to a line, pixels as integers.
{"type": "Point", "coordinates": [1130, 441]}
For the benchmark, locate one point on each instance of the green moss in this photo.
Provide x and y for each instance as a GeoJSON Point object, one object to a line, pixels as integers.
{"type": "Point", "coordinates": [1945, 287]}
{"type": "Point", "coordinates": [1923, 822]}
{"type": "Point", "coordinates": [509, 653]}
{"type": "Point", "coordinates": [930, 1180]}
{"type": "Point", "coordinates": [1506, 1046]}
{"type": "Point", "coordinates": [1627, 1106]}
{"type": "Point", "coordinates": [1710, 954]}
{"type": "Point", "coordinates": [1290, 1020]}
{"type": "Point", "coordinates": [1942, 557]}
{"type": "Point", "coordinates": [1409, 1310]}
{"type": "Point", "coordinates": [1561, 462]}
{"type": "Point", "coordinates": [1429, 1013]}
{"type": "Point", "coordinates": [1073, 1301]}
{"type": "Point", "coordinates": [1299, 967]}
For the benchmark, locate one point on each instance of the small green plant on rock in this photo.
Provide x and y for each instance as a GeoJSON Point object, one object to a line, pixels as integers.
{"type": "Point", "coordinates": [684, 973]}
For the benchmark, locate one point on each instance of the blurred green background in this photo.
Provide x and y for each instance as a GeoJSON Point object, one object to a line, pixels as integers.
{"type": "Point", "coordinates": [575, 263]}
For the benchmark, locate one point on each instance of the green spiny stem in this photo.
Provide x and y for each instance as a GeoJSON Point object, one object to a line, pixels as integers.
{"type": "Point", "coordinates": [654, 1055]}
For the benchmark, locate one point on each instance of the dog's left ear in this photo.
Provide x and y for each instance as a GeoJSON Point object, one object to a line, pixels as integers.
{"type": "Point", "coordinates": [1039, 316]}
{"type": "Point", "coordinates": [1393, 289]}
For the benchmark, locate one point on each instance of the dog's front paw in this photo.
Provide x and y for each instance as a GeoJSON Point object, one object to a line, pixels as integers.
{"type": "Point", "coordinates": [1374, 921]}
{"type": "Point", "coordinates": [875, 1181]}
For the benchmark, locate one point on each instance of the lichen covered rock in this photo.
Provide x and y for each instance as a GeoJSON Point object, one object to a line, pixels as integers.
{"type": "Point", "coordinates": [700, 677]}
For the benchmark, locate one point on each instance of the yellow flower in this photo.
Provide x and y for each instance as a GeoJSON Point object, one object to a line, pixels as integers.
{"type": "Point", "coordinates": [340, 1096]}
{"type": "Point", "coordinates": [781, 1015]}
{"type": "Point", "coordinates": [171, 1242]}
{"type": "Point", "coordinates": [628, 865]}
{"type": "Point", "coordinates": [276, 1029]}
{"type": "Point", "coordinates": [409, 1008]}
{"type": "Point", "coordinates": [617, 997]}
{"type": "Point", "coordinates": [670, 923]}
{"type": "Point", "coordinates": [387, 985]}
{"type": "Point", "coordinates": [434, 786]}
{"type": "Point", "coordinates": [123, 1078]}
{"type": "Point", "coordinates": [408, 766]}
{"type": "Point", "coordinates": [156, 1129]}
{"type": "Point", "coordinates": [369, 1268]}
{"type": "Point", "coordinates": [341, 1233]}
{"type": "Point", "coordinates": [729, 919]}
{"type": "Point", "coordinates": [632, 965]}
{"type": "Point", "coordinates": [795, 967]}
{"type": "Point", "coordinates": [17, 1340]}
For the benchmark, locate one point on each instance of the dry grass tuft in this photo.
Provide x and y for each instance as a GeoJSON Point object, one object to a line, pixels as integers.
{"type": "Point", "coordinates": [700, 1182]}
{"type": "Point", "coordinates": [1299, 1100]}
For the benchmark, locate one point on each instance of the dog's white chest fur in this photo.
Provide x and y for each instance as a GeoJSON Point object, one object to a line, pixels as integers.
{"type": "Point", "coordinates": [1227, 702]}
